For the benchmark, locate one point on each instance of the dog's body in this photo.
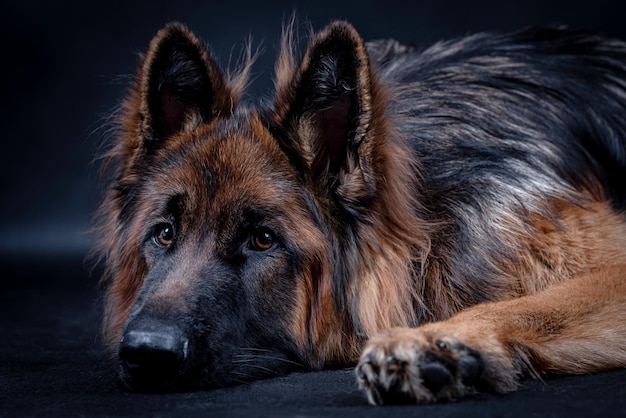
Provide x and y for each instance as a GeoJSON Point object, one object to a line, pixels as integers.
{"type": "Point", "coordinates": [472, 193]}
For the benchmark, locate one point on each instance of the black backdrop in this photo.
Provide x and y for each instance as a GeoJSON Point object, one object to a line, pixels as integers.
{"type": "Point", "coordinates": [64, 66]}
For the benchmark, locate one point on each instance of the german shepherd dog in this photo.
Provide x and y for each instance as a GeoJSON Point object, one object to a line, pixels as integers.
{"type": "Point", "coordinates": [448, 220]}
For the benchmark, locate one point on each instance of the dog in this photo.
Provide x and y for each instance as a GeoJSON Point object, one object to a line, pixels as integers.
{"type": "Point", "coordinates": [449, 220]}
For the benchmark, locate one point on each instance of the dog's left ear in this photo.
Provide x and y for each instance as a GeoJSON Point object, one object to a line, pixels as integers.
{"type": "Point", "coordinates": [329, 114]}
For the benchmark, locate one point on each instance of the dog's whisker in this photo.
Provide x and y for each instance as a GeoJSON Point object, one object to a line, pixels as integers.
{"type": "Point", "coordinates": [242, 358]}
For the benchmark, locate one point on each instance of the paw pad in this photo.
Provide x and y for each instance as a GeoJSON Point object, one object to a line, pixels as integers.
{"type": "Point", "coordinates": [409, 367]}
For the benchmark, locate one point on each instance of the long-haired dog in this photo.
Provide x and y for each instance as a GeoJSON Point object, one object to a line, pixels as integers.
{"type": "Point", "coordinates": [448, 220]}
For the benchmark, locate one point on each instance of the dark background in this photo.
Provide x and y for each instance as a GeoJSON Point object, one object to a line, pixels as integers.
{"type": "Point", "coordinates": [64, 66]}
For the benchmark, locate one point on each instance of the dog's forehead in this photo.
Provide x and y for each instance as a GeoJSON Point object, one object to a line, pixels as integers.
{"type": "Point", "coordinates": [228, 162]}
{"type": "Point", "coordinates": [241, 150]}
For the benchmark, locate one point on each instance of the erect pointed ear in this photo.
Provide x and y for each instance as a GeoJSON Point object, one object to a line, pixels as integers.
{"type": "Point", "coordinates": [180, 86]}
{"type": "Point", "coordinates": [330, 112]}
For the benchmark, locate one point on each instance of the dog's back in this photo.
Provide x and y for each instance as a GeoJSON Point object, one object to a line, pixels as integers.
{"type": "Point", "coordinates": [544, 105]}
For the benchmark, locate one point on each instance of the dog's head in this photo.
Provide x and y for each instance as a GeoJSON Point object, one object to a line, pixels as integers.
{"type": "Point", "coordinates": [231, 234]}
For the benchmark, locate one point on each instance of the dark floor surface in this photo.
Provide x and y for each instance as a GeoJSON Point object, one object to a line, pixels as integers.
{"type": "Point", "coordinates": [52, 364]}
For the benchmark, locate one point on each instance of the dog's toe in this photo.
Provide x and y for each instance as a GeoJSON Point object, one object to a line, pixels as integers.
{"type": "Point", "coordinates": [410, 365]}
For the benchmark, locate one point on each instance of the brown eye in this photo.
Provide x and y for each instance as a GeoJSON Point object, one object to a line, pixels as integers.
{"type": "Point", "coordinates": [262, 240]}
{"type": "Point", "coordinates": [164, 234]}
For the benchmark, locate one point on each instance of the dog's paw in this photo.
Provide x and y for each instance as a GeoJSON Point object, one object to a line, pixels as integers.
{"type": "Point", "coordinates": [409, 365]}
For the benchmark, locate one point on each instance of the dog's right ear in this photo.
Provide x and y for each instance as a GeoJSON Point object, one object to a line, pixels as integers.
{"type": "Point", "coordinates": [329, 115]}
{"type": "Point", "coordinates": [179, 86]}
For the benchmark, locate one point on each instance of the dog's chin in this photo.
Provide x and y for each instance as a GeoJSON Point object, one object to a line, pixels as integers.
{"type": "Point", "coordinates": [154, 382]}
{"type": "Point", "coordinates": [182, 381]}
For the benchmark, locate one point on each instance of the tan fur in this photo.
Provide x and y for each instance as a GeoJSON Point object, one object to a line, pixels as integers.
{"type": "Point", "coordinates": [563, 329]}
{"type": "Point", "coordinates": [570, 318]}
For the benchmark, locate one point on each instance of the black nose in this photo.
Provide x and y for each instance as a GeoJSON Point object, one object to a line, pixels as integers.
{"type": "Point", "coordinates": [152, 354]}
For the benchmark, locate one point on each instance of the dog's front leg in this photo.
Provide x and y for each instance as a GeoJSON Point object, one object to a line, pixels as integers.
{"type": "Point", "coordinates": [578, 326]}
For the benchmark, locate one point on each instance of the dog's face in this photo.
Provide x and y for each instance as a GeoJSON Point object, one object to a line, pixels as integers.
{"type": "Point", "coordinates": [228, 232]}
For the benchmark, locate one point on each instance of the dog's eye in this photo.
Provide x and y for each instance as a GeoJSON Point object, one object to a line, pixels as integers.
{"type": "Point", "coordinates": [164, 234]}
{"type": "Point", "coordinates": [262, 239]}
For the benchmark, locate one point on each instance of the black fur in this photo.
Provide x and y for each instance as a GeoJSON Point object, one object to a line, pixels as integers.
{"type": "Point", "coordinates": [550, 99]}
